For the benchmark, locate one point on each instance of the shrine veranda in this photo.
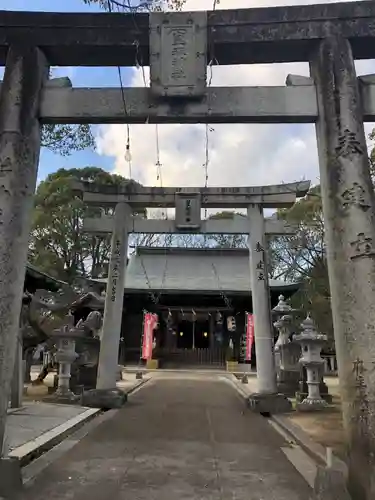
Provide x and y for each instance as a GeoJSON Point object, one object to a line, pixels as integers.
{"type": "Point", "coordinates": [178, 47]}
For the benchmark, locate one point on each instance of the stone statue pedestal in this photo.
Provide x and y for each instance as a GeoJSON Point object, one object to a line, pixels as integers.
{"type": "Point", "coordinates": [85, 368]}
{"type": "Point", "coordinates": [84, 377]}
{"type": "Point", "coordinates": [287, 368]}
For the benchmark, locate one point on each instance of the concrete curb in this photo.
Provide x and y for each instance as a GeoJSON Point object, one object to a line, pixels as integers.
{"type": "Point", "coordinates": [137, 386]}
{"type": "Point", "coordinates": [31, 450]}
{"type": "Point", "coordinates": [237, 386]}
{"type": "Point", "coordinates": [316, 451]}
{"type": "Point", "coordinates": [35, 448]}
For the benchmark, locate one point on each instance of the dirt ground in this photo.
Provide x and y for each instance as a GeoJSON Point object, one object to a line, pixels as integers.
{"type": "Point", "coordinates": [326, 427]}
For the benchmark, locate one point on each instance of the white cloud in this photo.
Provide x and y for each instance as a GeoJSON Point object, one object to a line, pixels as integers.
{"type": "Point", "coordinates": [239, 154]}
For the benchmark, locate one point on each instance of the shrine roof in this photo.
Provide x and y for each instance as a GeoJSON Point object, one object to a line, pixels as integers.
{"type": "Point", "coordinates": [38, 279]}
{"type": "Point", "coordinates": [191, 270]}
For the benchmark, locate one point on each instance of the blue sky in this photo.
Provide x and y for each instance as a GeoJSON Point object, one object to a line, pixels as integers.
{"type": "Point", "coordinates": [239, 154]}
{"type": "Point", "coordinates": [81, 77]}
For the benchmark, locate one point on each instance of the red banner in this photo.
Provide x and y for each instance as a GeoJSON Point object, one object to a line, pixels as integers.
{"type": "Point", "coordinates": [149, 324]}
{"type": "Point", "coordinates": [249, 336]}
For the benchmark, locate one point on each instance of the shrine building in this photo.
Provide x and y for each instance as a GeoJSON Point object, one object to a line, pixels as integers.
{"type": "Point", "coordinates": [196, 293]}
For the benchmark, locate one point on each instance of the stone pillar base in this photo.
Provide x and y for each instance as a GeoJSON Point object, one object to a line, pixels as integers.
{"type": "Point", "coordinates": [301, 396]}
{"type": "Point", "coordinates": [312, 405]}
{"type": "Point", "coordinates": [106, 399]}
{"type": "Point", "coordinates": [10, 477]}
{"type": "Point", "coordinates": [269, 403]}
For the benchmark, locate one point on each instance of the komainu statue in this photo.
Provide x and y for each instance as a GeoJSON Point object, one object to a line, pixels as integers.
{"type": "Point", "coordinates": [44, 312]}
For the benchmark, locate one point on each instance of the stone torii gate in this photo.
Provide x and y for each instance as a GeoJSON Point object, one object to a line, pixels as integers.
{"type": "Point", "coordinates": [188, 203]}
{"type": "Point", "coordinates": [328, 36]}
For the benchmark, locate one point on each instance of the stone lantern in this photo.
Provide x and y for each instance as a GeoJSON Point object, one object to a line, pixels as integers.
{"type": "Point", "coordinates": [66, 337]}
{"type": "Point", "coordinates": [311, 345]}
{"type": "Point", "coordinates": [287, 352]}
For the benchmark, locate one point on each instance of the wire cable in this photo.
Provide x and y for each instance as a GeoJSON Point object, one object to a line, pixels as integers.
{"type": "Point", "coordinates": [128, 157]}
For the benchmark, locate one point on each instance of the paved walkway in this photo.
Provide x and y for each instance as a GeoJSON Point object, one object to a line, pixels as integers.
{"type": "Point", "coordinates": [35, 420]}
{"type": "Point", "coordinates": [177, 440]}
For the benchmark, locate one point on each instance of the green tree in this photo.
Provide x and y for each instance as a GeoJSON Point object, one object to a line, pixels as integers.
{"type": "Point", "coordinates": [142, 5]}
{"type": "Point", "coordinates": [57, 244]}
{"type": "Point", "coordinates": [302, 258]}
{"type": "Point", "coordinates": [65, 139]}
{"type": "Point", "coordinates": [372, 155]}
{"type": "Point", "coordinates": [227, 240]}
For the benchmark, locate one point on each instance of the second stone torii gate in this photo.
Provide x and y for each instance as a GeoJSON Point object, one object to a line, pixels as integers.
{"type": "Point", "coordinates": [188, 203]}
{"type": "Point", "coordinates": [329, 37]}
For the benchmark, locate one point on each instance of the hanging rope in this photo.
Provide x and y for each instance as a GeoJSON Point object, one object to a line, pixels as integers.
{"type": "Point", "coordinates": [223, 295]}
{"type": "Point", "coordinates": [127, 157]}
{"type": "Point", "coordinates": [155, 297]}
{"type": "Point", "coordinates": [208, 128]}
{"type": "Point", "coordinates": [158, 165]}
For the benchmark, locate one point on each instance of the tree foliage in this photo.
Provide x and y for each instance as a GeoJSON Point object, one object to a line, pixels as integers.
{"type": "Point", "coordinates": [294, 256]}
{"type": "Point", "coordinates": [65, 139]}
{"type": "Point", "coordinates": [193, 240]}
{"type": "Point", "coordinates": [301, 258]}
{"type": "Point", "coordinates": [58, 245]}
{"type": "Point", "coordinates": [372, 155]}
{"type": "Point", "coordinates": [142, 5]}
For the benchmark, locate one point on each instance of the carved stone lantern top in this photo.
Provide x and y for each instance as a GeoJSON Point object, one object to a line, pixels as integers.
{"type": "Point", "coordinates": [283, 307]}
{"type": "Point", "coordinates": [309, 333]}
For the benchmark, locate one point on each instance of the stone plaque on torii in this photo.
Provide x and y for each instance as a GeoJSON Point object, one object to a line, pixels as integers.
{"type": "Point", "coordinates": [178, 54]}
{"type": "Point", "coordinates": [328, 37]}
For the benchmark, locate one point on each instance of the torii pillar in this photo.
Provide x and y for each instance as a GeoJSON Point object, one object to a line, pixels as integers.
{"type": "Point", "coordinates": [349, 219]}
{"type": "Point", "coordinates": [107, 395]}
{"type": "Point", "coordinates": [267, 399]}
{"type": "Point", "coordinates": [25, 72]}
{"type": "Point", "coordinates": [111, 333]}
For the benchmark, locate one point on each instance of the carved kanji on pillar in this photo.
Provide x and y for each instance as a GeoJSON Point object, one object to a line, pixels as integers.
{"type": "Point", "coordinates": [348, 145]}
{"type": "Point", "coordinates": [355, 196]}
{"type": "Point", "coordinates": [362, 247]}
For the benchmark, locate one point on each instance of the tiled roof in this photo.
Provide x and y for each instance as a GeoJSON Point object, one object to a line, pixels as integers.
{"type": "Point", "coordinates": [188, 270]}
